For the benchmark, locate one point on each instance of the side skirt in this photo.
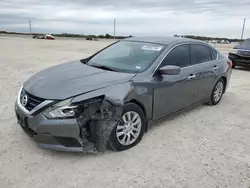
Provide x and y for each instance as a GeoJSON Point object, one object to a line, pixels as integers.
{"type": "Point", "coordinates": [151, 123]}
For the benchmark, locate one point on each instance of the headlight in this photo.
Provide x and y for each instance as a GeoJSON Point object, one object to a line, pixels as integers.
{"type": "Point", "coordinates": [62, 109]}
{"type": "Point", "coordinates": [233, 51]}
{"type": "Point", "coordinates": [67, 109]}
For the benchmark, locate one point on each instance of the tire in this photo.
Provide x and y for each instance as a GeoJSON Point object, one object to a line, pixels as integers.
{"type": "Point", "coordinates": [115, 141]}
{"type": "Point", "coordinates": [220, 84]}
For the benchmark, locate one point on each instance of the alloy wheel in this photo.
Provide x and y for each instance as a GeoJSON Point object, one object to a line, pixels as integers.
{"type": "Point", "coordinates": [129, 128]}
{"type": "Point", "coordinates": [218, 91]}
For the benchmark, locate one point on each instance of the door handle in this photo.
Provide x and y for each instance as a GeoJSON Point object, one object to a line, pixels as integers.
{"type": "Point", "coordinates": [216, 67]}
{"type": "Point", "coordinates": [192, 76]}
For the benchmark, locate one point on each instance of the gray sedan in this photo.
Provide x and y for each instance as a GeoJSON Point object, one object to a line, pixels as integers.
{"type": "Point", "coordinates": [113, 96]}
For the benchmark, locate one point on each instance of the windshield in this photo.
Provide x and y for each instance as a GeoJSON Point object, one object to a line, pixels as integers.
{"type": "Point", "coordinates": [246, 42]}
{"type": "Point", "coordinates": [127, 56]}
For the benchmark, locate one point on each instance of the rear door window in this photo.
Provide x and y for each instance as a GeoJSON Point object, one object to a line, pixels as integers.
{"type": "Point", "coordinates": [214, 54]}
{"type": "Point", "coordinates": [200, 53]}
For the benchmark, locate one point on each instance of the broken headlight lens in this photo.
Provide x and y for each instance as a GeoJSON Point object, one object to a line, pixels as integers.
{"type": "Point", "coordinates": [67, 109]}
{"type": "Point", "coordinates": [62, 109]}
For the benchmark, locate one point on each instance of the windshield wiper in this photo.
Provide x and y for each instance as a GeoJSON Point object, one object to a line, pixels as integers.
{"type": "Point", "coordinates": [103, 67]}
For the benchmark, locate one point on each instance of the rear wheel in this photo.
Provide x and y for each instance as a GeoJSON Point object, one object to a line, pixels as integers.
{"type": "Point", "coordinates": [130, 129]}
{"type": "Point", "coordinates": [217, 92]}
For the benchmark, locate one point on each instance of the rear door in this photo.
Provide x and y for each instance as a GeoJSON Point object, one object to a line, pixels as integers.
{"type": "Point", "coordinates": [204, 67]}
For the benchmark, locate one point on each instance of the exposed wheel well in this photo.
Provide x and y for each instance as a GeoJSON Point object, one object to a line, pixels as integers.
{"type": "Point", "coordinates": [225, 82]}
{"type": "Point", "coordinates": [143, 109]}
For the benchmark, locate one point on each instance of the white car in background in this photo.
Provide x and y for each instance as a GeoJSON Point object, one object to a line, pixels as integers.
{"type": "Point", "coordinates": [47, 36]}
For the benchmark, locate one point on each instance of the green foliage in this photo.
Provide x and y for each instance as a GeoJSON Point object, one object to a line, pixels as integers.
{"type": "Point", "coordinates": [101, 36]}
{"type": "Point", "coordinates": [108, 36]}
{"type": "Point", "coordinates": [210, 38]}
{"type": "Point", "coordinates": [88, 37]}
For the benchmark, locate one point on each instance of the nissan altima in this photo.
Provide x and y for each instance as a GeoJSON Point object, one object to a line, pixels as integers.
{"type": "Point", "coordinates": [110, 98]}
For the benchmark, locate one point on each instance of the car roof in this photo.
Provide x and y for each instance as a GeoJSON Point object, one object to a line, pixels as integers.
{"type": "Point", "coordinates": [161, 40]}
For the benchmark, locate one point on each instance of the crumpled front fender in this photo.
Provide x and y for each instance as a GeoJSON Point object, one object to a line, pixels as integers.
{"type": "Point", "coordinates": [105, 115]}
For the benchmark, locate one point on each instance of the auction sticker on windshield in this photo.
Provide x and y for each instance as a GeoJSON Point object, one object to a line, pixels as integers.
{"type": "Point", "coordinates": [138, 67]}
{"type": "Point", "coordinates": [153, 48]}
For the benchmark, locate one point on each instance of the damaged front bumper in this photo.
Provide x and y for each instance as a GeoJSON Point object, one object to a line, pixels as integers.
{"type": "Point", "coordinates": [54, 134]}
{"type": "Point", "coordinates": [80, 134]}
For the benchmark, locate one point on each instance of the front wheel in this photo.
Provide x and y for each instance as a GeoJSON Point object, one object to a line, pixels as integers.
{"type": "Point", "coordinates": [130, 129]}
{"type": "Point", "coordinates": [217, 92]}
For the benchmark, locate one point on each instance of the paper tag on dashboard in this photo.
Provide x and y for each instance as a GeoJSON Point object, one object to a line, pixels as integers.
{"type": "Point", "coordinates": [153, 48]}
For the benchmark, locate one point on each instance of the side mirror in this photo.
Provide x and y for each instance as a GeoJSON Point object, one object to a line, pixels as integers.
{"type": "Point", "coordinates": [170, 70]}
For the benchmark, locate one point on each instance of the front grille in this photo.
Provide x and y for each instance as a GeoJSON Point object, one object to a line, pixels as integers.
{"type": "Point", "coordinates": [244, 53]}
{"type": "Point", "coordinates": [239, 58]}
{"type": "Point", "coordinates": [32, 101]}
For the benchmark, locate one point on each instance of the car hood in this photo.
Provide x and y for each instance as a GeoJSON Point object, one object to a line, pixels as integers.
{"type": "Point", "coordinates": [71, 79]}
{"type": "Point", "coordinates": [242, 47]}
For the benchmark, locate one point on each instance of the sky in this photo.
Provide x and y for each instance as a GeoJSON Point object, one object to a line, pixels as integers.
{"type": "Point", "coordinates": [217, 18]}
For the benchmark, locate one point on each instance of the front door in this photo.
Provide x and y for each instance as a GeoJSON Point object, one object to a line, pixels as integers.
{"type": "Point", "coordinates": [174, 92]}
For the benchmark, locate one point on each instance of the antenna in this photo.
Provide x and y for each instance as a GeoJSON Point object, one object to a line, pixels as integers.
{"type": "Point", "coordinates": [30, 26]}
{"type": "Point", "coordinates": [243, 28]}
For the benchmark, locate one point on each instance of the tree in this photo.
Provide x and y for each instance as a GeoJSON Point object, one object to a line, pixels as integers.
{"type": "Point", "coordinates": [108, 36]}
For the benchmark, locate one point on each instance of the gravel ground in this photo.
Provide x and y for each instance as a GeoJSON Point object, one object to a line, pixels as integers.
{"type": "Point", "coordinates": [203, 147]}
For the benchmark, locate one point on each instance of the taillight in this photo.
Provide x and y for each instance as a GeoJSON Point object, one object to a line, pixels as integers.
{"type": "Point", "coordinates": [230, 64]}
